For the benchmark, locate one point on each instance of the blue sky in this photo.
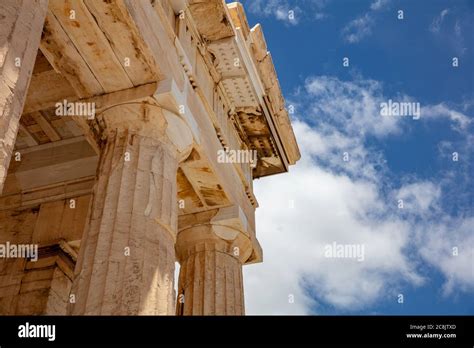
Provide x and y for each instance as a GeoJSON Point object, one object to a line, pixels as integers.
{"type": "Point", "coordinates": [408, 251]}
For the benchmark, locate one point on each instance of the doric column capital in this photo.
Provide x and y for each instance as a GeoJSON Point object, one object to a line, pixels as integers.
{"type": "Point", "coordinates": [207, 237]}
{"type": "Point", "coordinates": [224, 230]}
{"type": "Point", "coordinates": [150, 121]}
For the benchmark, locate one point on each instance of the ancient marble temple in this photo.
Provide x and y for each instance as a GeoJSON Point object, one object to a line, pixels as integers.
{"type": "Point", "coordinates": [130, 135]}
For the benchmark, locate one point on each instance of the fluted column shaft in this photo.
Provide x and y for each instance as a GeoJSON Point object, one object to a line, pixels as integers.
{"type": "Point", "coordinates": [210, 278]}
{"type": "Point", "coordinates": [126, 263]}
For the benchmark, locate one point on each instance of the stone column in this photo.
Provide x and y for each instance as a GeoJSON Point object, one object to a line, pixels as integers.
{"type": "Point", "coordinates": [210, 278]}
{"type": "Point", "coordinates": [21, 23]}
{"type": "Point", "coordinates": [126, 262]}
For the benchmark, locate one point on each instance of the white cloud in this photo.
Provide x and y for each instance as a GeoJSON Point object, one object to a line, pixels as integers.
{"type": "Point", "coordinates": [459, 120]}
{"type": "Point", "coordinates": [358, 28]}
{"type": "Point", "coordinates": [435, 26]}
{"type": "Point", "coordinates": [419, 197]}
{"type": "Point", "coordinates": [327, 208]}
{"type": "Point", "coordinates": [379, 4]}
{"type": "Point", "coordinates": [449, 28]}
{"type": "Point", "coordinates": [457, 28]}
{"type": "Point", "coordinates": [449, 246]}
{"type": "Point", "coordinates": [320, 16]}
{"type": "Point", "coordinates": [345, 202]}
{"type": "Point", "coordinates": [361, 27]}
{"type": "Point", "coordinates": [279, 9]}
{"type": "Point", "coordinates": [353, 105]}
{"type": "Point", "coordinates": [289, 12]}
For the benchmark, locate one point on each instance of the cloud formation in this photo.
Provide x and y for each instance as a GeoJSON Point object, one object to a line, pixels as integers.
{"type": "Point", "coordinates": [451, 28]}
{"type": "Point", "coordinates": [358, 28]}
{"type": "Point", "coordinates": [435, 26]}
{"type": "Point", "coordinates": [361, 27]}
{"type": "Point", "coordinates": [326, 199]}
{"type": "Point", "coordinates": [287, 11]}
{"type": "Point", "coordinates": [379, 4]}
